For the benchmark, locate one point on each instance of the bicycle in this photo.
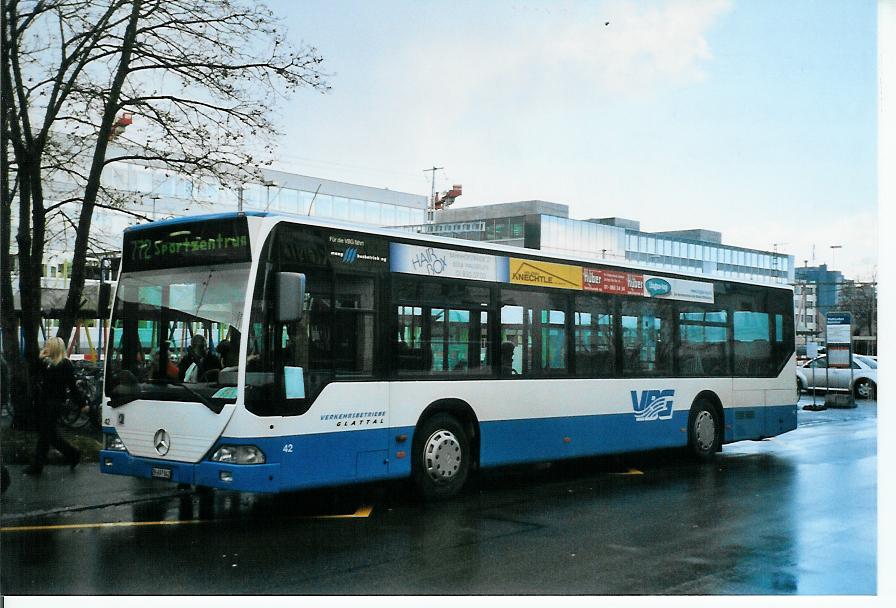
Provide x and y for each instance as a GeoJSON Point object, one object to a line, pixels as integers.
{"type": "Point", "coordinates": [88, 381]}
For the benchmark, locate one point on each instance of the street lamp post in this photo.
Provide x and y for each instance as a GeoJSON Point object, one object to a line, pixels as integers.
{"type": "Point", "coordinates": [105, 264]}
{"type": "Point", "coordinates": [267, 199]}
{"type": "Point", "coordinates": [834, 249]}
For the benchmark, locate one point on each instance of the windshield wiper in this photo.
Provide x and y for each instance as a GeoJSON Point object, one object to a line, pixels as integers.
{"type": "Point", "coordinates": [201, 398]}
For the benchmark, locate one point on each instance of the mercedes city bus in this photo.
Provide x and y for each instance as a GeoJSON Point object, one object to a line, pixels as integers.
{"type": "Point", "coordinates": [336, 353]}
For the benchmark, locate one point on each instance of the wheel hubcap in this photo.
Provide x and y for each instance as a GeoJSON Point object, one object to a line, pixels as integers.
{"type": "Point", "coordinates": [704, 430]}
{"type": "Point", "coordinates": [864, 390]}
{"type": "Point", "coordinates": [442, 456]}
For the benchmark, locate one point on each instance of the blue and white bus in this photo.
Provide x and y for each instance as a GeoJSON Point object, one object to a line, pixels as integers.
{"type": "Point", "coordinates": [340, 354]}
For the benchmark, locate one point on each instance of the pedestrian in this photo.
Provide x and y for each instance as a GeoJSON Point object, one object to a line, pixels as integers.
{"type": "Point", "coordinates": [56, 376]}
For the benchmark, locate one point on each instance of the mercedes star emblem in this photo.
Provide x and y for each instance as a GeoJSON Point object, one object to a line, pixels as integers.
{"type": "Point", "coordinates": [162, 442]}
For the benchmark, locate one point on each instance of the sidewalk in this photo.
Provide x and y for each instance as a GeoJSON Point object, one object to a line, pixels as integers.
{"type": "Point", "coordinates": [59, 490]}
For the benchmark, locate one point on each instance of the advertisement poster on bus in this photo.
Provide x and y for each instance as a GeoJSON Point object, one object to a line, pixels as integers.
{"type": "Point", "coordinates": [363, 254]}
{"type": "Point", "coordinates": [633, 284]}
{"type": "Point", "coordinates": [668, 288]}
{"type": "Point", "coordinates": [545, 274]}
{"type": "Point", "coordinates": [430, 261]}
{"type": "Point", "coordinates": [613, 281]}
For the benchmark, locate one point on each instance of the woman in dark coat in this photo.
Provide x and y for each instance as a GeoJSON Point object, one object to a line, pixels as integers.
{"type": "Point", "coordinates": [56, 377]}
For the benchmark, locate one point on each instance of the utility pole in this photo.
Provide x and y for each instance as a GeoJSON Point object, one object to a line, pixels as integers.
{"type": "Point", "coordinates": [430, 209]}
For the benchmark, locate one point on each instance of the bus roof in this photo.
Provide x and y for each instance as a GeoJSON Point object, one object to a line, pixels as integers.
{"type": "Point", "coordinates": [195, 218]}
{"type": "Point", "coordinates": [434, 239]}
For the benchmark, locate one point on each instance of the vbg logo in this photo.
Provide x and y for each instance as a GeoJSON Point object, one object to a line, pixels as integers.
{"type": "Point", "coordinates": [652, 405]}
{"type": "Point", "coordinates": [350, 255]}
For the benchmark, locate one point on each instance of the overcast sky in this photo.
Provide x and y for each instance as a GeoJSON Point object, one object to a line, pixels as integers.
{"type": "Point", "coordinates": [754, 118]}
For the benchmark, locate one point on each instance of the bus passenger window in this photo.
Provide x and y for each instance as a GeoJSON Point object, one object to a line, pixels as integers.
{"type": "Point", "coordinates": [702, 341]}
{"type": "Point", "coordinates": [646, 338]}
{"type": "Point", "coordinates": [752, 347]}
{"type": "Point", "coordinates": [440, 328]}
{"type": "Point", "coordinates": [595, 348]}
{"type": "Point", "coordinates": [410, 354]}
{"type": "Point", "coordinates": [354, 327]}
{"type": "Point", "coordinates": [536, 324]}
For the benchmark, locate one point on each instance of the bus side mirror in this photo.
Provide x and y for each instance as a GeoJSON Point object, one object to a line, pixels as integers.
{"type": "Point", "coordinates": [290, 296]}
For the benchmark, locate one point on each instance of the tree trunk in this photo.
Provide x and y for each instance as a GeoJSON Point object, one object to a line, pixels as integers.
{"type": "Point", "coordinates": [31, 243]}
{"type": "Point", "coordinates": [79, 260]}
{"type": "Point", "coordinates": [14, 380]}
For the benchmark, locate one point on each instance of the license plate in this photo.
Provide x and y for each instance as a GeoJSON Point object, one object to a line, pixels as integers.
{"type": "Point", "coordinates": [160, 473]}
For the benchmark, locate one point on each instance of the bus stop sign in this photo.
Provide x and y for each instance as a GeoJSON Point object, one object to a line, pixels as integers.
{"type": "Point", "coordinates": [838, 335]}
{"type": "Point", "coordinates": [839, 325]}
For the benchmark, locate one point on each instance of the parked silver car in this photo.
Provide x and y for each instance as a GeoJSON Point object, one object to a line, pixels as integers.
{"type": "Point", "coordinates": [816, 375]}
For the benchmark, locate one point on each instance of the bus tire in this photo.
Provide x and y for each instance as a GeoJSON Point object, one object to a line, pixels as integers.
{"type": "Point", "coordinates": [441, 457]}
{"type": "Point", "coordinates": [704, 430]}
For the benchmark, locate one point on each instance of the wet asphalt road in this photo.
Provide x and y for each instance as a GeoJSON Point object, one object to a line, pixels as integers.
{"type": "Point", "coordinates": [792, 515]}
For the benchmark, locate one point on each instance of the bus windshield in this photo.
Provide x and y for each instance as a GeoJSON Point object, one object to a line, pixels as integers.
{"type": "Point", "coordinates": [175, 335]}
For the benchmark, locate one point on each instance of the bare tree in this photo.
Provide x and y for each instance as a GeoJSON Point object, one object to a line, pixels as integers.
{"type": "Point", "coordinates": [200, 78]}
{"type": "Point", "coordinates": [861, 300]}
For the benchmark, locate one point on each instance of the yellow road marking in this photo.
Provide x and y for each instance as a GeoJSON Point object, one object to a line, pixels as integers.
{"type": "Point", "coordinates": [361, 512]}
{"type": "Point", "coordinates": [630, 472]}
{"type": "Point", "coordinates": [119, 524]}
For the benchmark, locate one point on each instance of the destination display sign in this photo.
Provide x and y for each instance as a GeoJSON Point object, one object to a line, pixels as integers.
{"type": "Point", "coordinates": [180, 244]}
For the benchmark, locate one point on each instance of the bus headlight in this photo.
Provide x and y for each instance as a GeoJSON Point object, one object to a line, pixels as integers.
{"type": "Point", "coordinates": [238, 454]}
{"type": "Point", "coordinates": [113, 442]}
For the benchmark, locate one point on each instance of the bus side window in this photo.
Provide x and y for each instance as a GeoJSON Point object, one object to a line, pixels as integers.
{"type": "Point", "coordinates": [354, 335]}
{"type": "Point", "coordinates": [535, 322]}
{"type": "Point", "coordinates": [702, 340]}
{"type": "Point", "coordinates": [410, 354]}
{"type": "Point", "coordinates": [646, 338]}
{"type": "Point", "coordinates": [595, 348]}
{"type": "Point", "coordinates": [752, 347]}
{"type": "Point", "coordinates": [440, 328]}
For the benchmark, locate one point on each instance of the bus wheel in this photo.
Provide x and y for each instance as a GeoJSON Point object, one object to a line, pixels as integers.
{"type": "Point", "coordinates": [441, 457]}
{"type": "Point", "coordinates": [704, 430]}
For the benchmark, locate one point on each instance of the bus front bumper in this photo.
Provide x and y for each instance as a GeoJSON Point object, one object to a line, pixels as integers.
{"type": "Point", "coordinates": [241, 477]}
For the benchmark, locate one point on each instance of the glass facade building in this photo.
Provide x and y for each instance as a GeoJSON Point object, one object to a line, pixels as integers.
{"type": "Point", "coordinates": [825, 284]}
{"type": "Point", "coordinates": [670, 253]}
{"type": "Point", "coordinates": [161, 194]}
{"type": "Point", "coordinates": [546, 226]}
